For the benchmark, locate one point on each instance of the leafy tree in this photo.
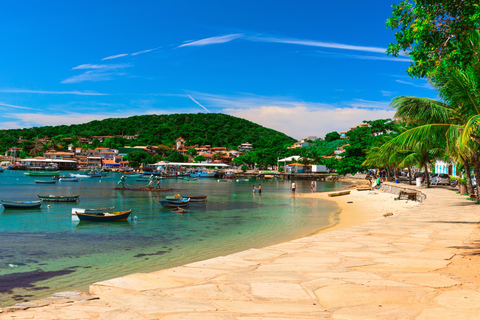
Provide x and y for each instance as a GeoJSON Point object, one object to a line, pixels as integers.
{"type": "Point", "coordinates": [332, 136]}
{"type": "Point", "coordinates": [192, 152]}
{"type": "Point", "coordinates": [175, 157]}
{"type": "Point", "coordinates": [114, 142]}
{"type": "Point", "coordinates": [200, 158]}
{"type": "Point", "coordinates": [435, 31]}
{"type": "Point", "coordinates": [137, 158]}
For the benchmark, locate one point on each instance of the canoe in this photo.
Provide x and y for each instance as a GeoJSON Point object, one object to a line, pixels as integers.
{"type": "Point", "coordinates": [104, 216]}
{"type": "Point", "coordinates": [167, 204]}
{"type": "Point", "coordinates": [197, 198]}
{"type": "Point", "coordinates": [43, 173]}
{"type": "Point", "coordinates": [82, 176]}
{"type": "Point", "coordinates": [340, 193]}
{"type": "Point", "coordinates": [68, 179]}
{"type": "Point", "coordinates": [21, 204]}
{"type": "Point", "coordinates": [46, 181]}
{"type": "Point", "coordinates": [183, 200]}
{"type": "Point", "coordinates": [92, 210]}
{"type": "Point", "coordinates": [363, 188]}
{"type": "Point", "coordinates": [180, 210]}
{"type": "Point", "coordinates": [54, 198]}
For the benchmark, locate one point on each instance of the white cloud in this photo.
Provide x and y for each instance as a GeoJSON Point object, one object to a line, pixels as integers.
{"type": "Point", "coordinates": [115, 56]}
{"type": "Point", "coordinates": [302, 121]}
{"type": "Point", "coordinates": [144, 51]}
{"type": "Point", "coordinates": [424, 85]}
{"type": "Point", "coordinates": [298, 119]}
{"type": "Point", "coordinates": [314, 43]}
{"type": "Point", "coordinates": [79, 93]}
{"type": "Point", "coordinates": [97, 72]}
{"type": "Point", "coordinates": [89, 66]}
{"type": "Point", "coordinates": [213, 40]}
{"type": "Point", "coordinates": [15, 107]}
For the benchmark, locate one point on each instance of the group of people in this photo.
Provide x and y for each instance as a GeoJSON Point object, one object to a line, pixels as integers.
{"type": "Point", "coordinates": [257, 189]}
{"type": "Point", "coordinates": [293, 186]}
{"type": "Point", "coordinates": [154, 180]}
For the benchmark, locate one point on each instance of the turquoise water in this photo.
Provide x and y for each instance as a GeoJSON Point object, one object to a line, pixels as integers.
{"type": "Point", "coordinates": [44, 251]}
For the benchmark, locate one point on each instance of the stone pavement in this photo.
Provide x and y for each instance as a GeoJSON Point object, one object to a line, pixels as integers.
{"type": "Point", "coordinates": [390, 268]}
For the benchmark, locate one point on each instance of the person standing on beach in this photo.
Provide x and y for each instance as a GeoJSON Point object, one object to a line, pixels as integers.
{"type": "Point", "coordinates": [259, 189]}
{"type": "Point", "coordinates": [312, 186]}
{"type": "Point", "coordinates": [293, 186]}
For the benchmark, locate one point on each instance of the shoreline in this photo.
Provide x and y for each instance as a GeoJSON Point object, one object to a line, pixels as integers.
{"type": "Point", "coordinates": [414, 264]}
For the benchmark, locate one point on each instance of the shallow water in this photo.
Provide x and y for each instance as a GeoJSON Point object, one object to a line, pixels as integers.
{"type": "Point", "coordinates": [43, 251]}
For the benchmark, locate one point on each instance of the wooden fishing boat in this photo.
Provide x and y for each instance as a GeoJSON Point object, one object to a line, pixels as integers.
{"type": "Point", "coordinates": [104, 216]}
{"type": "Point", "coordinates": [198, 198]}
{"type": "Point", "coordinates": [180, 210]}
{"type": "Point", "coordinates": [364, 188]}
{"type": "Point", "coordinates": [339, 193]}
{"type": "Point", "coordinates": [42, 173]}
{"type": "Point", "coordinates": [175, 197]}
{"type": "Point", "coordinates": [68, 179]}
{"type": "Point", "coordinates": [180, 201]}
{"type": "Point", "coordinates": [21, 204]}
{"type": "Point", "coordinates": [46, 181]}
{"type": "Point", "coordinates": [92, 210]}
{"type": "Point", "coordinates": [144, 189]}
{"type": "Point", "coordinates": [53, 198]}
{"type": "Point", "coordinates": [168, 204]}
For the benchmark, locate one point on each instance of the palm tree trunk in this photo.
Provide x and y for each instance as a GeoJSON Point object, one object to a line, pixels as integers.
{"type": "Point", "coordinates": [409, 175]}
{"type": "Point", "coordinates": [427, 176]}
{"type": "Point", "coordinates": [466, 165]}
{"type": "Point", "coordinates": [476, 166]}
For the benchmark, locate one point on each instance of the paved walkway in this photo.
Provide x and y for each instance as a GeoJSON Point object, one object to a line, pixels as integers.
{"type": "Point", "coordinates": [391, 268]}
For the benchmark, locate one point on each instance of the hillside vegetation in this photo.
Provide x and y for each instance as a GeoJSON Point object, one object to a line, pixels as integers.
{"type": "Point", "coordinates": [212, 128]}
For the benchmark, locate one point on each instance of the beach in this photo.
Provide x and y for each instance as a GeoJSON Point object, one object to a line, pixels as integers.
{"type": "Point", "coordinates": [413, 264]}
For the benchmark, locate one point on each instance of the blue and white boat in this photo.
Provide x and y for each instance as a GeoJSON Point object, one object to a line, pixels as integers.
{"type": "Point", "coordinates": [203, 174]}
{"type": "Point", "coordinates": [21, 204]}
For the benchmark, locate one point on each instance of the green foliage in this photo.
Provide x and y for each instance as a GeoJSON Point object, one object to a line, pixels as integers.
{"type": "Point", "coordinates": [137, 158]}
{"type": "Point", "coordinates": [332, 136]}
{"type": "Point", "coordinates": [244, 168]}
{"type": "Point", "coordinates": [193, 152]}
{"type": "Point", "coordinates": [200, 158]}
{"type": "Point", "coordinates": [114, 142]}
{"type": "Point", "coordinates": [435, 32]}
{"type": "Point", "coordinates": [213, 128]}
{"type": "Point", "coordinates": [176, 157]}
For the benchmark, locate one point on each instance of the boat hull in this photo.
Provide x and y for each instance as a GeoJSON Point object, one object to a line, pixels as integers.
{"type": "Point", "coordinates": [21, 204]}
{"type": "Point", "coordinates": [104, 217]}
{"type": "Point", "coordinates": [337, 194]}
{"type": "Point", "coordinates": [167, 204]}
{"type": "Point", "coordinates": [52, 198]}
{"type": "Point", "coordinates": [46, 181]}
{"type": "Point", "coordinates": [43, 173]}
{"type": "Point", "coordinates": [198, 198]}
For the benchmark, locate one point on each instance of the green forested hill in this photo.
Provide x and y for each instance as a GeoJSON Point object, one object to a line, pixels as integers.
{"type": "Point", "coordinates": [212, 128]}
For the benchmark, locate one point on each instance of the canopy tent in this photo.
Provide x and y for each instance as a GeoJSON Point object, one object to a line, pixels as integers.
{"type": "Point", "coordinates": [189, 164]}
{"type": "Point", "coordinates": [292, 158]}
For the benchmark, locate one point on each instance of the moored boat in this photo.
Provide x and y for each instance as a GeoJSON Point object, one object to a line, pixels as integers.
{"type": "Point", "coordinates": [21, 204]}
{"type": "Point", "coordinates": [183, 200]}
{"type": "Point", "coordinates": [197, 198]}
{"type": "Point", "coordinates": [168, 204]}
{"type": "Point", "coordinates": [42, 173]}
{"type": "Point", "coordinates": [54, 198]}
{"type": "Point", "coordinates": [81, 176]}
{"type": "Point", "coordinates": [339, 193]}
{"type": "Point", "coordinates": [179, 210]}
{"type": "Point", "coordinates": [92, 210]}
{"type": "Point", "coordinates": [68, 179]}
{"type": "Point", "coordinates": [46, 181]}
{"type": "Point", "coordinates": [104, 216]}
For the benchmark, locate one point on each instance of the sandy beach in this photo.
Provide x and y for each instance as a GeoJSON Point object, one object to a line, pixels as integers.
{"type": "Point", "coordinates": [361, 206]}
{"type": "Point", "coordinates": [413, 264]}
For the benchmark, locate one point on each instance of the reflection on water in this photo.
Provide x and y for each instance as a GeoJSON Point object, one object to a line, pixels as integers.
{"type": "Point", "coordinates": [51, 252]}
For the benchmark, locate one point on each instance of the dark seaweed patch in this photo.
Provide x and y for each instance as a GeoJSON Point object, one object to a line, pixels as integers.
{"type": "Point", "coordinates": [27, 279]}
{"type": "Point", "coordinates": [158, 253]}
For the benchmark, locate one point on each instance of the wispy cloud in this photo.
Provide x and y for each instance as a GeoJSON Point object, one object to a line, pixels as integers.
{"type": "Point", "coordinates": [212, 40]}
{"type": "Point", "coordinates": [97, 72]}
{"type": "Point", "coordinates": [89, 66]}
{"type": "Point", "coordinates": [197, 103]}
{"type": "Point", "coordinates": [15, 107]}
{"type": "Point", "coordinates": [142, 52]}
{"type": "Point", "coordinates": [314, 43]}
{"type": "Point", "coordinates": [424, 85]}
{"type": "Point", "coordinates": [115, 56]}
{"type": "Point", "coordinates": [78, 93]}
{"type": "Point", "coordinates": [361, 57]}
{"type": "Point", "coordinates": [366, 104]}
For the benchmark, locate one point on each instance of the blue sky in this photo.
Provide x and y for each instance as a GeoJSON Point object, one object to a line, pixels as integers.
{"type": "Point", "coordinates": [303, 68]}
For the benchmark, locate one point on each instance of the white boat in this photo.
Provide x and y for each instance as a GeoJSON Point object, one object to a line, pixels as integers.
{"type": "Point", "coordinates": [203, 174]}
{"type": "Point", "coordinates": [81, 176]}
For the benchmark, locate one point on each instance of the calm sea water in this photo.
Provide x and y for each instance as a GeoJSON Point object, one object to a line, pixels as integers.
{"type": "Point", "coordinates": [43, 251]}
